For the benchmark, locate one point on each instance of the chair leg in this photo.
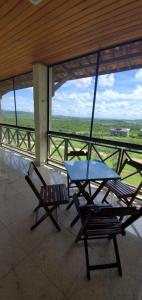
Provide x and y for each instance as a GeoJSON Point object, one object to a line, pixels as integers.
{"type": "Point", "coordinates": [87, 258]}
{"type": "Point", "coordinates": [70, 204]}
{"type": "Point", "coordinates": [104, 199]}
{"type": "Point", "coordinates": [39, 221]}
{"type": "Point", "coordinates": [37, 207]}
{"type": "Point", "coordinates": [55, 223]}
{"type": "Point", "coordinates": [47, 214]}
{"type": "Point", "coordinates": [78, 237]}
{"type": "Point", "coordinates": [74, 221]}
{"type": "Point", "coordinates": [117, 256]}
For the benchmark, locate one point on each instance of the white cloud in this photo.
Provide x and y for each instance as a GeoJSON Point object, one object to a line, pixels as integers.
{"type": "Point", "coordinates": [106, 80]}
{"type": "Point", "coordinates": [83, 82]}
{"type": "Point", "coordinates": [138, 74]}
{"type": "Point", "coordinates": [30, 89]}
{"type": "Point", "coordinates": [119, 109]}
{"type": "Point", "coordinates": [109, 103]}
{"type": "Point", "coordinates": [72, 104]}
{"type": "Point", "coordinates": [113, 95]}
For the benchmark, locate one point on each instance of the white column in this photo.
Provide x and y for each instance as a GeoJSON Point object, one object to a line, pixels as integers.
{"type": "Point", "coordinates": [40, 84]}
{"type": "Point", "coordinates": [50, 81]}
{"type": "Point", "coordinates": [1, 121]}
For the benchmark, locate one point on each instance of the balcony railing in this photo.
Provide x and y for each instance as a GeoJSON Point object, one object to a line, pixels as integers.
{"type": "Point", "coordinates": [111, 152]}
{"type": "Point", "coordinates": [59, 144]}
{"type": "Point", "coordinates": [17, 137]}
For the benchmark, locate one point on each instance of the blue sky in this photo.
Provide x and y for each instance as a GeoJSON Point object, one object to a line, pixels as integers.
{"type": "Point", "coordinates": [119, 96]}
{"type": "Point", "coordinates": [24, 100]}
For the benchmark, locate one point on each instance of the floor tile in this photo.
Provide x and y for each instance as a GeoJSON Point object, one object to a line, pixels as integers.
{"type": "Point", "coordinates": [46, 264]}
{"type": "Point", "coordinates": [60, 259]}
{"type": "Point", "coordinates": [10, 252]}
{"type": "Point", "coordinates": [25, 282]}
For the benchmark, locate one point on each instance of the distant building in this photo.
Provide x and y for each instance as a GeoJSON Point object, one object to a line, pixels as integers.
{"type": "Point", "coordinates": [120, 131]}
{"type": "Point", "coordinates": [140, 132]}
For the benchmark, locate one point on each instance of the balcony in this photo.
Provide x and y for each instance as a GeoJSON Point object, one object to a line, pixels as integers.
{"type": "Point", "coordinates": [31, 258]}
{"type": "Point", "coordinates": [65, 59]}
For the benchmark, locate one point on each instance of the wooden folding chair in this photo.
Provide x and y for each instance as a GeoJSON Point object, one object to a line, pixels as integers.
{"type": "Point", "coordinates": [71, 186]}
{"type": "Point", "coordinates": [99, 222]}
{"type": "Point", "coordinates": [122, 190]}
{"type": "Point", "coordinates": [49, 196]}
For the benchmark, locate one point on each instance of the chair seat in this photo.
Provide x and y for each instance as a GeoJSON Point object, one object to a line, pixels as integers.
{"type": "Point", "coordinates": [49, 196]}
{"type": "Point", "coordinates": [54, 194]}
{"type": "Point", "coordinates": [104, 222]}
{"type": "Point", "coordinates": [120, 189]}
{"type": "Point", "coordinates": [101, 226]}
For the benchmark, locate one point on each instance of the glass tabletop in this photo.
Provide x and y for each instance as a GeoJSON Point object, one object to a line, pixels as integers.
{"type": "Point", "coordinates": [86, 170]}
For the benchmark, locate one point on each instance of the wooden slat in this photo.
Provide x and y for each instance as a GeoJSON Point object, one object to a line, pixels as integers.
{"type": "Point", "coordinates": [58, 30]}
{"type": "Point", "coordinates": [39, 17]}
{"type": "Point", "coordinates": [100, 42]}
{"type": "Point", "coordinates": [72, 51]}
{"type": "Point", "coordinates": [7, 6]}
{"type": "Point", "coordinates": [120, 188]}
{"type": "Point", "coordinates": [53, 48]}
{"type": "Point", "coordinates": [35, 34]}
{"type": "Point", "coordinates": [85, 36]}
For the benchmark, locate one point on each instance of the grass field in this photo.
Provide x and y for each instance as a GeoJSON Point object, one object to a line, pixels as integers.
{"type": "Point", "coordinates": [80, 126]}
{"type": "Point", "coordinates": [101, 128]}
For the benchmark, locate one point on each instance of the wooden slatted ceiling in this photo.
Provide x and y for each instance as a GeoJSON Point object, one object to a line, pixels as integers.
{"type": "Point", "coordinates": [56, 30]}
{"type": "Point", "coordinates": [125, 57]}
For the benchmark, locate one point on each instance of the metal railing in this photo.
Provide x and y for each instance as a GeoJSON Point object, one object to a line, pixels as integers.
{"type": "Point", "coordinates": [18, 137]}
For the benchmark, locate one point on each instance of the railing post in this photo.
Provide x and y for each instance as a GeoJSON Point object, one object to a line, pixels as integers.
{"type": "Point", "coordinates": [48, 147]}
{"type": "Point", "coordinates": [8, 136]}
{"type": "Point", "coordinates": [120, 160]}
{"type": "Point", "coordinates": [29, 140]}
{"type": "Point", "coordinates": [17, 137]}
{"type": "Point", "coordinates": [66, 149]}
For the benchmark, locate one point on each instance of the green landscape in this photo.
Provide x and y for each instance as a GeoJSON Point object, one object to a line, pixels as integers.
{"type": "Point", "coordinates": [81, 126]}
{"type": "Point", "coordinates": [101, 128]}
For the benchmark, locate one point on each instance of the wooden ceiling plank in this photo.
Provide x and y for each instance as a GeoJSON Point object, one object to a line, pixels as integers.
{"type": "Point", "coordinates": [7, 6]}
{"type": "Point", "coordinates": [12, 14]}
{"type": "Point", "coordinates": [93, 23]}
{"type": "Point", "coordinates": [86, 37]}
{"type": "Point", "coordinates": [116, 36]}
{"type": "Point", "coordinates": [82, 34]}
{"type": "Point", "coordinates": [32, 17]}
{"type": "Point", "coordinates": [70, 34]}
{"type": "Point", "coordinates": [17, 16]}
{"type": "Point", "coordinates": [66, 49]}
{"type": "Point", "coordinates": [55, 25]}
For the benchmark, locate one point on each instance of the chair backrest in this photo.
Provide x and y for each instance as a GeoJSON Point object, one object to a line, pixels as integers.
{"type": "Point", "coordinates": [132, 212]}
{"type": "Point", "coordinates": [32, 183]}
{"type": "Point", "coordinates": [133, 163]}
{"type": "Point", "coordinates": [136, 169]}
{"type": "Point", "coordinates": [72, 154]}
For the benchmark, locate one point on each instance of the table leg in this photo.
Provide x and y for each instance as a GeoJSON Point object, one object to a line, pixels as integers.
{"type": "Point", "coordinates": [87, 196]}
{"type": "Point", "coordinates": [102, 184]}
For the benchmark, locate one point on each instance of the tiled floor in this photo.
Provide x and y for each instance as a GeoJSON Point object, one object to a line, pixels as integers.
{"type": "Point", "coordinates": [46, 264]}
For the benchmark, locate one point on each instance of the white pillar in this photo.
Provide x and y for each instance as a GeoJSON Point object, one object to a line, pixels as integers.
{"type": "Point", "coordinates": [50, 94]}
{"type": "Point", "coordinates": [40, 83]}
